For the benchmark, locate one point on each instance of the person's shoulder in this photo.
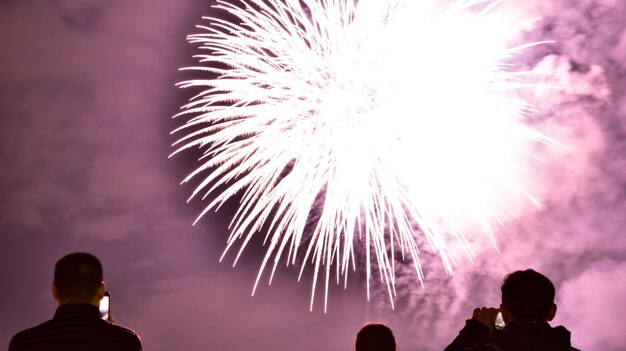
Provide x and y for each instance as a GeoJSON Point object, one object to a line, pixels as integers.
{"type": "Point", "coordinates": [29, 334]}
{"type": "Point", "coordinates": [92, 331]}
{"type": "Point", "coordinates": [38, 329]}
{"type": "Point", "coordinates": [122, 332]}
{"type": "Point", "coordinates": [489, 346]}
{"type": "Point", "coordinates": [118, 328]}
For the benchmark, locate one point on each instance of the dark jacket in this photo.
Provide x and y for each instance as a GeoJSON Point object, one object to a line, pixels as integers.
{"type": "Point", "coordinates": [516, 336]}
{"type": "Point", "coordinates": [76, 327]}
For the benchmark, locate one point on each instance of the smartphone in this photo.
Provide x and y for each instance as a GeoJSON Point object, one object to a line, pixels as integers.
{"type": "Point", "coordinates": [499, 321]}
{"type": "Point", "coordinates": [105, 306]}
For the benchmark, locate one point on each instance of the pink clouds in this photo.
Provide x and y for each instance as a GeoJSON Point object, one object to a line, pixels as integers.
{"type": "Point", "coordinates": [81, 118]}
{"type": "Point", "coordinates": [216, 311]}
{"type": "Point", "coordinates": [596, 309]}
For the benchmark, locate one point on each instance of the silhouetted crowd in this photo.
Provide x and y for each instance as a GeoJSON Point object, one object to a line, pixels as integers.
{"type": "Point", "coordinates": [83, 323]}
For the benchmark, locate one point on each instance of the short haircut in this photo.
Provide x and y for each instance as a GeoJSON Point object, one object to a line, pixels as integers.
{"type": "Point", "coordinates": [375, 337]}
{"type": "Point", "coordinates": [77, 276]}
{"type": "Point", "coordinates": [528, 295]}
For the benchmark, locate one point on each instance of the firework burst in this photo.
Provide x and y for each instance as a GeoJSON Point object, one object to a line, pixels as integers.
{"type": "Point", "coordinates": [343, 123]}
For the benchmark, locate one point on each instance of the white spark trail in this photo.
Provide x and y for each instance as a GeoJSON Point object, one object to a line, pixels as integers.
{"type": "Point", "coordinates": [390, 120]}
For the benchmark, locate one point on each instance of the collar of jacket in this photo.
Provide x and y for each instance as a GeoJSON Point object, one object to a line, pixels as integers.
{"type": "Point", "coordinates": [77, 311]}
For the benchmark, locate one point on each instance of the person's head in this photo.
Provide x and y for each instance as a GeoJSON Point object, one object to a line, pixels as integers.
{"type": "Point", "coordinates": [78, 279]}
{"type": "Point", "coordinates": [375, 337]}
{"type": "Point", "coordinates": [527, 296]}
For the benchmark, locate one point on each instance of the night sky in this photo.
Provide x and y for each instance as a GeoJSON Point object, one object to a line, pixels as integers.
{"type": "Point", "coordinates": [86, 98]}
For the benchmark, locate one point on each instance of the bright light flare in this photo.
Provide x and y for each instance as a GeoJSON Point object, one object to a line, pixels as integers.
{"type": "Point", "coordinates": [383, 122]}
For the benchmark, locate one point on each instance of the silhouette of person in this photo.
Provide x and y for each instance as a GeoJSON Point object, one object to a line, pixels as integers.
{"type": "Point", "coordinates": [527, 307]}
{"type": "Point", "coordinates": [77, 325]}
{"type": "Point", "coordinates": [375, 337]}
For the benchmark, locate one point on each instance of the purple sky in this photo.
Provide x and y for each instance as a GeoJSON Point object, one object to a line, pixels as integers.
{"type": "Point", "coordinates": [86, 95]}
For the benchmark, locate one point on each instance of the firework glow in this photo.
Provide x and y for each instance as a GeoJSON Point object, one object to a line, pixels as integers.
{"type": "Point", "coordinates": [377, 126]}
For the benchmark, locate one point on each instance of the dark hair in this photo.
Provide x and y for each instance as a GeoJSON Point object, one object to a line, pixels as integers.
{"type": "Point", "coordinates": [77, 276]}
{"type": "Point", "coordinates": [375, 337]}
{"type": "Point", "coordinates": [528, 295]}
